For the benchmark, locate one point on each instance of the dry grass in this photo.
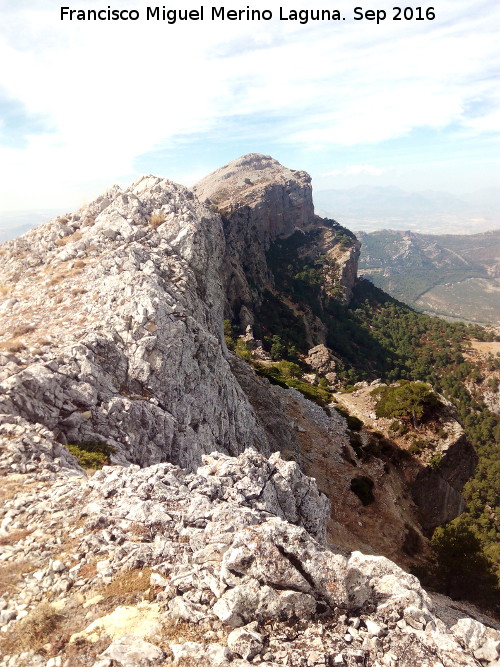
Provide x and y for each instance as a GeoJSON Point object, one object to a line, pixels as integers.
{"type": "Point", "coordinates": [47, 631]}
{"type": "Point", "coordinates": [126, 587]}
{"type": "Point", "coordinates": [15, 536]}
{"type": "Point", "coordinates": [486, 347]}
{"type": "Point", "coordinates": [156, 220]}
{"type": "Point", "coordinates": [188, 632]}
{"type": "Point", "coordinates": [139, 532]}
{"type": "Point", "coordinates": [11, 573]}
{"type": "Point", "coordinates": [83, 652]}
{"type": "Point", "coordinates": [55, 280]}
{"type": "Point", "coordinates": [4, 289]}
{"type": "Point", "coordinates": [33, 631]}
{"type": "Point", "coordinates": [11, 485]}
{"type": "Point", "coordinates": [12, 345]}
{"type": "Point", "coordinates": [76, 236]}
{"type": "Point", "coordinates": [87, 570]}
{"type": "Point", "coordinates": [22, 330]}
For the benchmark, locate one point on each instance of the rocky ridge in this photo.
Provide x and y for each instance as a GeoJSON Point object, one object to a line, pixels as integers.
{"type": "Point", "coordinates": [114, 335]}
{"type": "Point", "coordinates": [139, 363]}
{"type": "Point", "coordinates": [225, 566]}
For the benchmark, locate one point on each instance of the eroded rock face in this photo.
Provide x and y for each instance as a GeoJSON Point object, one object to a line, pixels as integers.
{"type": "Point", "coordinates": [234, 569]}
{"type": "Point", "coordinates": [116, 329]}
{"type": "Point", "coordinates": [260, 201]}
{"type": "Point", "coordinates": [435, 474]}
{"type": "Point", "coordinates": [438, 491]}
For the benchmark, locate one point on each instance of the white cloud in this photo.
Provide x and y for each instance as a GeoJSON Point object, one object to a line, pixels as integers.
{"type": "Point", "coordinates": [114, 91]}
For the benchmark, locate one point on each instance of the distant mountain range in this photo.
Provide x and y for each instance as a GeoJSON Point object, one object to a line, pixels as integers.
{"type": "Point", "coordinates": [371, 208]}
{"type": "Point", "coordinates": [15, 223]}
{"type": "Point", "coordinates": [450, 275]}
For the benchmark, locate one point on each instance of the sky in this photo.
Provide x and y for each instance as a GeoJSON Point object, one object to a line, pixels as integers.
{"type": "Point", "coordinates": [86, 104]}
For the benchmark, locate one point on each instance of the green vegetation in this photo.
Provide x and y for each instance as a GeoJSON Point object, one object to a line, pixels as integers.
{"type": "Point", "coordinates": [92, 453]}
{"type": "Point", "coordinates": [459, 567]}
{"type": "Point", "coordinates": [229, 334]}
{"type": "Point", "coordinates": [276, 319]}
{"type": "Point", "coordinates": [242, 350]}
{"type": "Point", "coordinates": [286, 374]}
{"type": "Point", "coordinates": [378, 337]}
{"type": "Point", "coordinates": [408, 401]}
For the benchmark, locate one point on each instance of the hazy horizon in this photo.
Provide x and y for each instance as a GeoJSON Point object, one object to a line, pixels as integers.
{"type": "Point", "coordinates": [363, 208]}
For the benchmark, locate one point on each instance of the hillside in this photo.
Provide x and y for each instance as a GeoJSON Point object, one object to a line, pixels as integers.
{"type": "Point", "coordinates": [454, 276]}
{"type": "Point", "coordinates": [176, 367]}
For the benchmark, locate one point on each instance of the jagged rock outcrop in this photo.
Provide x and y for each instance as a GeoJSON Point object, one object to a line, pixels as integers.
{"type": "Point", "coordinates": [114, 333]}
{"type": "Point", "coordinates": [260, 202]}
{"type": "Point", "coordinates": [227, 566]}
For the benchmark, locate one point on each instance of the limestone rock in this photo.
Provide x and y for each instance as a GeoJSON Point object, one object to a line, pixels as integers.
{"type": "Point", "coordinates": [138, 364]}
{"type": "Point", "coordinates": [246, 642]}
{"type": "Point", "coordinates": [130, 651]}
{"type": "Point", "coordinates": [232, 561]}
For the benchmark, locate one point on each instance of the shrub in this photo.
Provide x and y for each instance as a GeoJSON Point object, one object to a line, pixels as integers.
{"type": "Point", "coordinates": [278, 349]}
{"type": "Point", "coordinates": [461, 568]}
{"type": "Point", "coordinates": [156, 220]}
{"type": "Point", "coordinates": [436, 460]}
{"type": "Point", "coordinates": [91, 454]}
{"type": "Point", "coordinates": [408, 401]}
{"type": "Point", "coordinates": [242, 350]}
{"type": "Point", "coordinates": [288, 369]}
{"type": "Point", "coordinates": [418, 446]}
{"type": "Point", "coordinates": [398, 428]}
{"type": "Point", "coordinates": [271, 373]}
{"type": "Point", "coordinates": [317, 394]}
{"type": "Point", "coordinates": [229, 334]}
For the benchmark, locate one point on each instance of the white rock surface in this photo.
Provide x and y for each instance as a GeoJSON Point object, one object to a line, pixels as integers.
{"type": "Point", "coordinates": [120, 330]}
{"type": "Point", "coordinates": [239, 574]}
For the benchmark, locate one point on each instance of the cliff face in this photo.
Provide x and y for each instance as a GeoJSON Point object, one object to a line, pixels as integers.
{"type": "Point", "coordinates": [261, 202]}
{"type": "Point", "coordinates": [114, 333]}
{"type": "Point", "coordinates": [433, 473]}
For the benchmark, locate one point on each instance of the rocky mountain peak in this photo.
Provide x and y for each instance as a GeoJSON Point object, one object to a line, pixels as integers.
{"type": "Point", "coordinates": [283, 196]}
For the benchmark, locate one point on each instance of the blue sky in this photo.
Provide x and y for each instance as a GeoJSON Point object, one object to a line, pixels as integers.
{"type": "Point", "coordinates": [84, 105]}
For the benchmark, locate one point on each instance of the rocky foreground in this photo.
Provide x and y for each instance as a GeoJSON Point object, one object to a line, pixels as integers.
{"type": "Point", "coordinates": [112, 335]}
{"type": "Point", "coordinates": [226, 566]}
